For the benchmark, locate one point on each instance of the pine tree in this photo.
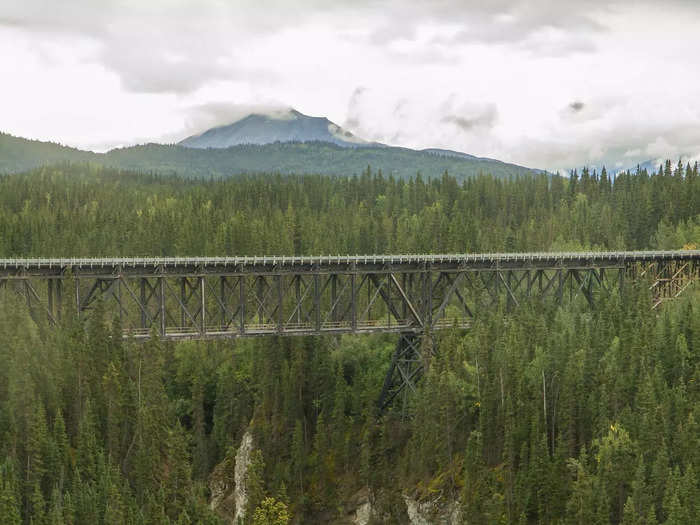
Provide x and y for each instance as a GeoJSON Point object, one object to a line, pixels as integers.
{"type": "Point", "coordinates": [36, 448]}
{"type": "Point", "coordinates": [37, 506]}
{"type": "Point", "coordinates": [55, 513]}
{"type": "Point", "coordinates": [115, 512]}
{"type": "Point", "coordinates": [176, 481]}
{"type": "Point", "coordinates": [298, 459]}
{"type": "Point", "coordinates": [255, 484]}
{"type": "Point", "coordinates": [581, 506]}
{"type": "Point", "coordinates": [9, 507]}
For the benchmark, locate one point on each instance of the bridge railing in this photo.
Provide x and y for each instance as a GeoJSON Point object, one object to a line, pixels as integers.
{"type": "Point", "coordinates": [283, 261]}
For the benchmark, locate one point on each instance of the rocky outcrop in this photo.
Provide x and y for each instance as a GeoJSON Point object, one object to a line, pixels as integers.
{"type": "Point", "coordinates": [431, 513]}
{"type": "Point", "coordinates": [360, 508]}
{"type": "Point", "coordinates": [360, 511]}
{"type": "Point", "coordinates": [221, 487]}
{"type": "Point", "coordinates": [363, 514]}
{"type": "Point", "coordinates": [229, 496]}
{"type": "Point", "coordinates": [240, 494]}
{"type": "Point", "coordinates": [227, 483]}
{"type": "Point", "coordinates": [415, 513]}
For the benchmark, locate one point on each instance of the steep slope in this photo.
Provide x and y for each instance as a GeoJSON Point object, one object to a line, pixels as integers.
{"type": "Point", "coordinates": [281, 126]}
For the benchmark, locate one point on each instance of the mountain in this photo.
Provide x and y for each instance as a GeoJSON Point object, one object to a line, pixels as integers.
{"type": "Point", "coordinates": [319, 147]}
{"type": "Point", "coordinates": [279, 126]}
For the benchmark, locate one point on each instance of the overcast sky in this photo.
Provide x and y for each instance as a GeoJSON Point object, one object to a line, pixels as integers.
{"type": "Point", "coordinates": [546, 84]}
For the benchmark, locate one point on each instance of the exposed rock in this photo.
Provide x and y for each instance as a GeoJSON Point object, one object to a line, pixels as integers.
{"type": "Point", "coordinates": [221, 484]}
{"type": "Point", "coordinates": [242, 464]}
{"type": "Point", "coordinates": [229, 496]}
{"type": "Point", "coordinates": [362, 514]}
{"type": "Point", "coordinates": [432, 513]}
{"type": "Point", "coordinates": [415, 513]}
{"type": "Point", "coordinates": [358, 509]}
{"type": "Point", "coordinates": [227, 483]}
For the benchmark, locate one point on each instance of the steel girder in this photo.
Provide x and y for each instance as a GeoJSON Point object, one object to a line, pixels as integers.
{"type": "Point", "coordinates": [198, 302]}
{"type": "Point", "coordinates": [390, 294]}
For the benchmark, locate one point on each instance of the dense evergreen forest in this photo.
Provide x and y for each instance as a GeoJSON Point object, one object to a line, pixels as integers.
{"type": "Point", "coordinates": [543, 414]}
{"type": "Point", "coordinates": [86, 210]}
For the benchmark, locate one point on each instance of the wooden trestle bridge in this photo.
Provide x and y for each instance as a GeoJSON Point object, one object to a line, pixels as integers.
{"type": "Point", "coordinates": [210, 297]}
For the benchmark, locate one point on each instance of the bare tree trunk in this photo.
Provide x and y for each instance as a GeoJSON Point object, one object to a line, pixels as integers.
{"type": "Point", "coordinates": [478, 380]}
{"type": "Point", "coordinates": [544, 401]}
{"type": "Point", "coordinates": [500, 376]}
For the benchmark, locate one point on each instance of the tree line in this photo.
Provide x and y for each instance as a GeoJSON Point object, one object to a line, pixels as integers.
{"type": "Point", "coordinates": [86, 210]}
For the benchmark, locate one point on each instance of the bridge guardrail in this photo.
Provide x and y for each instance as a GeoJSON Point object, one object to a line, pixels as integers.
{"type": "Point", "coordinates": [282, 261]}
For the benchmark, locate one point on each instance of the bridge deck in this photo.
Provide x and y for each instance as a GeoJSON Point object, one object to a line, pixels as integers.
{"type": "Point", "coordinates": [181, 297]}
{"type": "Point", "coordinates": [334, 263]}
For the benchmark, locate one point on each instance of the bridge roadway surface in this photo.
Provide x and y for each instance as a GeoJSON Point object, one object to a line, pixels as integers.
{"type": "Point", "coordinates": [207, 297]}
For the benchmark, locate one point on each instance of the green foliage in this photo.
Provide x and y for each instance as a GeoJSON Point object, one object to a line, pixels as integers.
{"type": "Point", "coordinates": [541, 414]}
{"type": "Point", "coordinates": [255, 486]}
{"type": "Point", "coordinates": [271, 512]}
{"type": "Point", "coordinates": [9, 507]}
{"type": "Point", "coordinates": [79, 210]}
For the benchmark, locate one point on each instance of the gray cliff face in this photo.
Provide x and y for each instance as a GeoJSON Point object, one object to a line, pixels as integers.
{"type": "Point", "coordinates": [285, 126]}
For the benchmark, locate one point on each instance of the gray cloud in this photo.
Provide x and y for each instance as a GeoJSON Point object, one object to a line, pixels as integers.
{"type": "Point", "coordinates": [156, 47]}
{"type": "Point", "coordinates": [484, 118]}
{"type": "Point", "coordinates": [467, 115]}
{"type": "Point", "coordinates": [388, 33]}
{"type": "Point", "coordinates": [184, 54]}
{"type": "Point", "coordinates": [149, 72]}
{"type": "Point", "coordinates": [206, 116]}
{"type": "Point", "coordinates": [400, 106]}
{"type": "Point", "coordinates": [180, 46]}
{"type": "Point", "coordinates": [352, 121]}
{"type": "Point", "coordinates": [599, 109]}
{"type": "Point", "coordinates": [532, 29]}
{"type": "Point", "coordinates": [541, 27]}
{"type": "Point", "coordinates": [618, 145]}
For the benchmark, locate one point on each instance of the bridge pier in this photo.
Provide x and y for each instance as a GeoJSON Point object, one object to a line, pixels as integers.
{"type": "Point", "coordinates": [407, 366]}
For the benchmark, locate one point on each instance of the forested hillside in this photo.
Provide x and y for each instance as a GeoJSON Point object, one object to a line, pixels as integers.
{"type": "Point", "coordinates": [17, 154]}
{"type": "Point", "coordinates": [541, 414]}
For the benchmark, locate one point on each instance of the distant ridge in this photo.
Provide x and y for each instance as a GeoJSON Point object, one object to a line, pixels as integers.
{"type": "Point", "coordinates": [18, 154]}
{"type": "Point", "coordinates": [283, 142]}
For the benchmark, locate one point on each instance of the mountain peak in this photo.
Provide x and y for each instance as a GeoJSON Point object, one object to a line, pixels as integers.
{"type": "Point", "coordinates": [285, 125]}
